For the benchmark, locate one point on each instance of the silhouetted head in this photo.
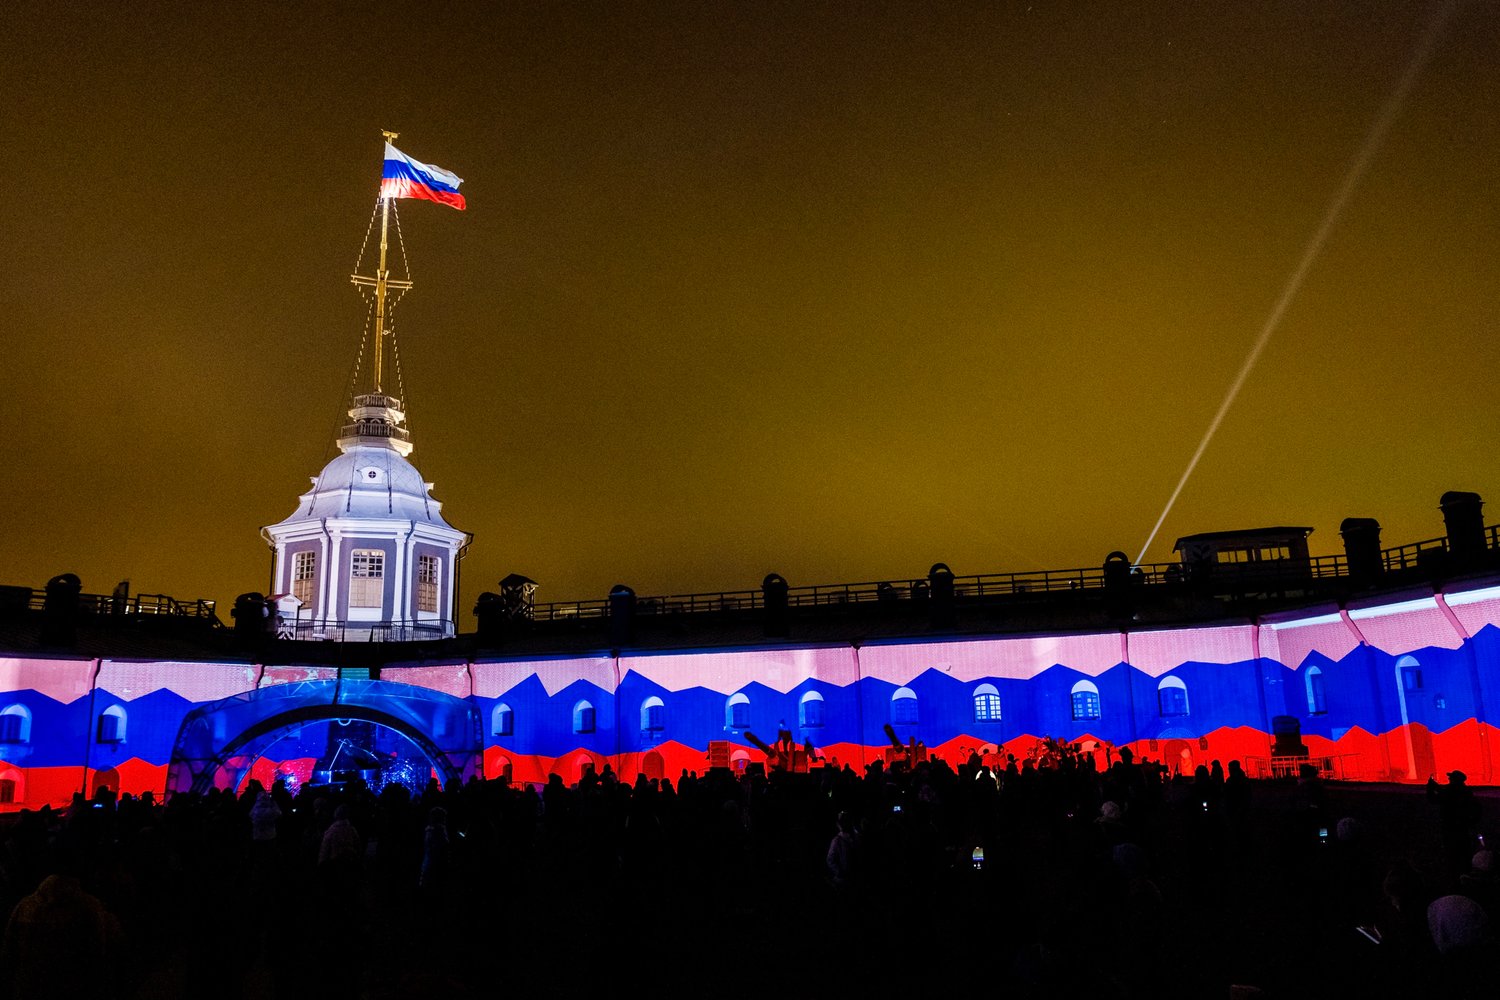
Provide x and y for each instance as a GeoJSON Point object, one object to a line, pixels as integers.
{"type": "Point", "coordinates": [1457, 923]}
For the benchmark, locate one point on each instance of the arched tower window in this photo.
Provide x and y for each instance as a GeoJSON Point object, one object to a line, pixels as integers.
{"type": "Point", "coordinates": [810, 712]}
{"type": "Point", "coordinates": [12, 786]}
{"type": "Point", "coordinates": [1317, 699]}
{"type": "Point", "coordinates": [583, 717]}
{"type": "Point", "coordinates": [1085, 699]}
{"type": "Point", "coordinates": [904, 707]}
{"type": "Point", "coordinates": [986, 703]}
{"type": "Point", "coordinates": [112, 725]}
{"type": "Point", "coordinates": [1172, 697]}
{"type": "Point", "coordinates": [653, 715]}
{"type": "Point", "coordinates": [15, 724]}
{"type": "Point", "coordinates": [503, 720]}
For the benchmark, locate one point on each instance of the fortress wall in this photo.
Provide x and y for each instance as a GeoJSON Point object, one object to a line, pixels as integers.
{"type": "Point", "coordinates": [1417, 697]}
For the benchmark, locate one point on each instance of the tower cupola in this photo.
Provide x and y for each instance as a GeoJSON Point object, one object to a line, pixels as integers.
{"type": "Point", "coordinates": [376, 420]}
{"type": "Point", "coordinates": [367, 554]}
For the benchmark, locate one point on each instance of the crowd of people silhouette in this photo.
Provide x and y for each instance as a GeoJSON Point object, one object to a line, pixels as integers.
{"type": "Point", "coordinates": [1059, 880]}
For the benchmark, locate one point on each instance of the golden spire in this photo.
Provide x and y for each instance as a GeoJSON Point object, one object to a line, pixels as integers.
{"type": "Point", "coordinates": [382, 281]}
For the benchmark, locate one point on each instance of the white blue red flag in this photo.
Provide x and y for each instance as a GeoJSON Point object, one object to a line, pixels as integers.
{"type": "Point", "coordinates": [404, 177]}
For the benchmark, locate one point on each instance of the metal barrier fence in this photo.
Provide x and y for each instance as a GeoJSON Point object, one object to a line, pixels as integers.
{"type": "Point", "coordinates": [347, 631]}
{"type": "Point", "coordinates": [1338, 767]}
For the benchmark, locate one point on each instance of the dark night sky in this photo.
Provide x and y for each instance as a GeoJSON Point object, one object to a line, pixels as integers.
{"type": "Point", "coordinates": [835, 290]}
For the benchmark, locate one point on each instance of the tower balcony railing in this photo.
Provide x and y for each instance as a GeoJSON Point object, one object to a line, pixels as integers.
{"type": "Point", "coordinates": [377, 399]}
{"type": "Point", "coordinates": [337, 630]}
{"type": "Point", "coordinates": [375, 428]}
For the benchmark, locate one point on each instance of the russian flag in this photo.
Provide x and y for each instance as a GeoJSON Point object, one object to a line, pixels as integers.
{"type": "Point", "coordinates": [406, 178]}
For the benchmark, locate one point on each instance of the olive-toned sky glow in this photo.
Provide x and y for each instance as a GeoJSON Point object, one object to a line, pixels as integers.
{"type": "Point", "coordinates": [834, 290]}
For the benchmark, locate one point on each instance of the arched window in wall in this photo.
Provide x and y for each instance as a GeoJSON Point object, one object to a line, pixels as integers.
{"type": "Point", "coordinates": [1317, 700]}
{"type": "Point", "coordinates": [986, 703]}
{"type": "Point", "coordinates": [1172, 697]}
{"type": "Point", "coordinates": [810, 712]}
{"type": "Point", "coordinates": [1085, 699]}
{"type": "Point", "coordinates": [503, 720]}
{"type": "Point", "coordinates": [653, 715]}
{"type": "Point", "coordinates": [1411, 673]}
{"type": "Point", "coordinates": [12, 786]}
{"type": "Point", "coordinates": [15, 724]}
{"type": "Point", "coordinates": [904, 707]}
{"type": "Point", "coordinates": [583, 717]}
{"type": "Point", "coordinates": [112, 725]}
{"type": "Point", "coordinates": [737, 711]}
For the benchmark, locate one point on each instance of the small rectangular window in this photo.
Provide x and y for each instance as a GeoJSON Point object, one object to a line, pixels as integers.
{"type": "Point", "coordinates": [304, 569]}
{"type": "Point", "coordinates": [367, 579]}
{"type": "Point", "coordinates": [427, 583]}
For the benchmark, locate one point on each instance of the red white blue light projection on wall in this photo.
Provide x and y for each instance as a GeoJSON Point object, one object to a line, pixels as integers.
{"type": "Point", "coordinates": [1389, 691]}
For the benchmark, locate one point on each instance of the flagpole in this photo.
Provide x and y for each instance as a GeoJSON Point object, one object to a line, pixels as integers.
{"type": "Point", "coordinates": [382, 275]}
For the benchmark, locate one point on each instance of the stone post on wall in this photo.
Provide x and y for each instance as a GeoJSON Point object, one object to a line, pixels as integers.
{"type": "Point", "coordinates": [1464, 521]}
{"type": "Point", "coordinates": [60, 610]}
{"type": "Point", "coordinates": [489, 617]}
{"type": "Point", "coordinates": [1362, 550]}
{"type": "Point", "coordinates": [942, 612]}
{"type": "Point", "coordinates": [1117, 583]}
{"type": "Point", "coordinates": [250, 615]}
{"type": "Point", "coordinates": [775, 605]}
{"type": "Point", "coordinates": [621, 616]}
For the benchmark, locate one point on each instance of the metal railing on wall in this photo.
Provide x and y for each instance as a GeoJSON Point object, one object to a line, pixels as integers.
{"type": "Point", "coordinates": [134, 605]}
{"type": "Point", "coordinates": [1269, 576]}
{"type": "Point", "coordinates": [333, 630]}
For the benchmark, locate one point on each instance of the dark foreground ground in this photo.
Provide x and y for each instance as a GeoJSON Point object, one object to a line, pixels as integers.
{"type": "Point", "coordinates": [723, 887]}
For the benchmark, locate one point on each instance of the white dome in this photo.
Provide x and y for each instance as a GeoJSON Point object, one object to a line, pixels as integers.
{"type": "Point", "coordinates": [369, 481]}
